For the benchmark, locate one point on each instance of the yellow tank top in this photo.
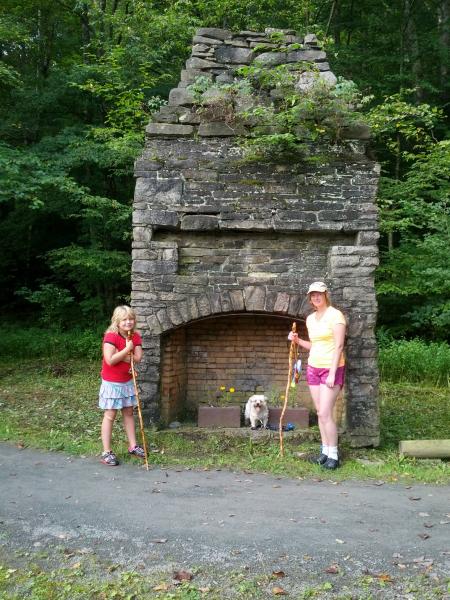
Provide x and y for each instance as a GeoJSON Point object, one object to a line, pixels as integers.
{"type": "Point", "coordinates": [320, 334]}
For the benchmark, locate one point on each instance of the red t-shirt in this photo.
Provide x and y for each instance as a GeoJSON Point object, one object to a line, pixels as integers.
{"type": "Point", "coordinates": [120, 372]}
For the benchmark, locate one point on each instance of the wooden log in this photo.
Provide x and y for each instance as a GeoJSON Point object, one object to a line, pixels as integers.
{"type": "Point", "coordinates": [425, 448]}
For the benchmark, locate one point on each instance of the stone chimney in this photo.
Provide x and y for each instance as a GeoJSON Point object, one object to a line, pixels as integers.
{"type": "Point", "coordinates": [224, 249]}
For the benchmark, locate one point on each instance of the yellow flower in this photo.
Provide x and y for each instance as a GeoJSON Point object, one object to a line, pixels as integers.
{"type": "Point", "coordinates": [232, 390]}
{"type": "Point", "coordinates": [222, 388]}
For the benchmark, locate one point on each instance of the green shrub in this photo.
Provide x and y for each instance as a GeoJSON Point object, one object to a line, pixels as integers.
{"type": "Point", "coordinates": [35, 342]}
{"type": "Point", "coordinates": [415, 361]}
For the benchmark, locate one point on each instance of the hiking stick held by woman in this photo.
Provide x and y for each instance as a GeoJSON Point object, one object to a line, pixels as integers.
{"type": "Point", "coordinates": [293, 352]}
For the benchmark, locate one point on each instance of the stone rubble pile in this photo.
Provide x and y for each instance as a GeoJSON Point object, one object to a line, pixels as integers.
{"type": "Point", "coordinates": [216, 55]}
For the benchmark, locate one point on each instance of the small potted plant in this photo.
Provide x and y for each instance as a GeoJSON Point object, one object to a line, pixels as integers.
{"type": "Point", "coordinates": [297, 415]}
{"type": "Point", "coordinates": [221, 413]}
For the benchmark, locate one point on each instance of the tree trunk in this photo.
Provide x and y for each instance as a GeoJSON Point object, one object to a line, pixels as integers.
{"type": "Point", "coordinates": [350, 23]}
{"type": "Point", "coordinates": [444, 39]}
{"type": "Point", "coordinates": [412, 49]}
{"type": "Point", "coordinates": [85, 29]}
{"type": "Point", "coordinates": [330, 18]}
{"type": "Point", "coordinates": [398, 159]}
{"type": "Point", "coordinates": [114, 7]}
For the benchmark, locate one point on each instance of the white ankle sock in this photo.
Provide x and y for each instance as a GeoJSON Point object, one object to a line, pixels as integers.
{"type": "Point", "coordinates": [325, 450]}
{"type": "Point", "coordinates": [333, 452]}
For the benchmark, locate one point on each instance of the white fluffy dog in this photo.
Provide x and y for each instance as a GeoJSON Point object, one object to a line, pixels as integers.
{"type": "Point", "coordinates": [256, 410]}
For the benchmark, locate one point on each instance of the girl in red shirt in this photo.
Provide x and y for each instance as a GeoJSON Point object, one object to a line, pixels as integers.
{"type": "Point", "coordinates": [117, 389]}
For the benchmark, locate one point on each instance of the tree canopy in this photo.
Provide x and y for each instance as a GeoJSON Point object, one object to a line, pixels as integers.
{"type": "Point", "coordinates": [79, 79]}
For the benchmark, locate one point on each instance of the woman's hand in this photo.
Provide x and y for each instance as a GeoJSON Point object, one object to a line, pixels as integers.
{"type": "Point", "coordinates": [129, 347]}
{"type": "Point", "coordinates": [329, 382]}
{"type": "Point", "coordinates": [293, 337]}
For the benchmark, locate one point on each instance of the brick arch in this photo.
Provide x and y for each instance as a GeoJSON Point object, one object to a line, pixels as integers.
{"type": "Point", "coordinates": [248, 351]}
{"type": "Point", "coordinates": [250, 299]}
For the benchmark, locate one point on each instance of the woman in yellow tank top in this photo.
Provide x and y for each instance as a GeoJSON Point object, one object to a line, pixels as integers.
{"type": "Point", "coordinates": [326, 367]}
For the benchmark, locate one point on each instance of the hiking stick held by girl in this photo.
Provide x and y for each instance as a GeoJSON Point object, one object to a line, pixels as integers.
{"type": "Point", "coordinates": [138, 400]}
{"type": "Point", "coordinates": [121, 345]}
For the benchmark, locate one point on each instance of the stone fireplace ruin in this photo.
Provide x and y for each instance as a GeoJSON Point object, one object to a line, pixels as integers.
{"type": "Point", "coordinates": [224, 249]}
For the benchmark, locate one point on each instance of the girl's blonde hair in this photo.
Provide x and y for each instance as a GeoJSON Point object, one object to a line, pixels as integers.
{"type": "Point", "coordinates": [120, 313]}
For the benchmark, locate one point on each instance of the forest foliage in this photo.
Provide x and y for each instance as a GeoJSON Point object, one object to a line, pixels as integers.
{"type": "Point", "coordinates": [79, 79]}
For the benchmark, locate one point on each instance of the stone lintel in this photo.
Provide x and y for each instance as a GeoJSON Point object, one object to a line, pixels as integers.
{"type": "Point", "coordinates": [234, 55]}
{"type": "Point", "coordinates": [219, 129]}
{"type": "Point", "coordinates": [202, 39]}
{"type": "Point", "coordinates": [180, 97]}
{"type": "Point", "coordinates": [199, 223]}
{"type": "Point", "coordinates": [169, 130]}
{"type": "Point", "coordinates": [214, 32]}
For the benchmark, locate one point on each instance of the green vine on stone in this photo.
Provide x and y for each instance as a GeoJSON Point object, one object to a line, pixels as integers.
{"type": "Point", "coordinates": [286, 110]}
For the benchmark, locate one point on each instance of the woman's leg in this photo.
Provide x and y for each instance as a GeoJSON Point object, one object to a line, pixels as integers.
{"type": "Point", "coordinates": [128, 425]}
{"type": "Point", "coordinates": [327, 400]}
{"type": "Point", "coordinates": [109, 416]}
{"type": "Point", "coordinates": [315, 395]}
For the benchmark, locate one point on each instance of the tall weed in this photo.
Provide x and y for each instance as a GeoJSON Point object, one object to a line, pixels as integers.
{"type": "Point", "coordinates": [415, 361]}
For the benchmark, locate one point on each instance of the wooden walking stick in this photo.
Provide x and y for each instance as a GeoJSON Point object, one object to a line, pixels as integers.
{"type": "Point", "coordinates": [136, 391]}
{"type": "Point", "coordinates": [293, 352]}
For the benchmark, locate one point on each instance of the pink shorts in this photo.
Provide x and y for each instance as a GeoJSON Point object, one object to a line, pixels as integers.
{"type": "Point", "coordinates": [316, 376]}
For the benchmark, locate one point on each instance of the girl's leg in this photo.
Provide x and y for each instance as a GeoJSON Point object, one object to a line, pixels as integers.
{"type": "Point", "coordinates": [107, 424]}
{"type": "Point", "coordinates": [327, 400]}
{"type": "Point", "coordinates": [128, 425]}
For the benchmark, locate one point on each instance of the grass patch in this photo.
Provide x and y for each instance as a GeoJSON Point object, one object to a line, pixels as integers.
{"type": "Point", "coordinates": [86, 577]}
{"type": "Point", "coordinates": [53, 406]}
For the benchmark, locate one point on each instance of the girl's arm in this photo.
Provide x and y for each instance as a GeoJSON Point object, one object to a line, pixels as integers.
{"type": "Point", "coordinates": [339, 338]}
{"type": "Point", "coordinates": [137, 354]}
{"type": "Point", "coordinates": [112, 356]}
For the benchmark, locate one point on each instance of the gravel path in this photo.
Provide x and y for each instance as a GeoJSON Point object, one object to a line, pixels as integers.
{"type": "Point", "coordinates": [230, 520]}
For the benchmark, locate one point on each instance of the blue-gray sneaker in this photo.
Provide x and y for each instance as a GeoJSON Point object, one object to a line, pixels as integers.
{"type": "Point", "coordinates": [137, 451]}
{"type": "Point", "coordinates": [110, 459]}
{"type": "Point", "coordinates": [321, 459]}
{"type": "Point", "coordinates": [331, 463]}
